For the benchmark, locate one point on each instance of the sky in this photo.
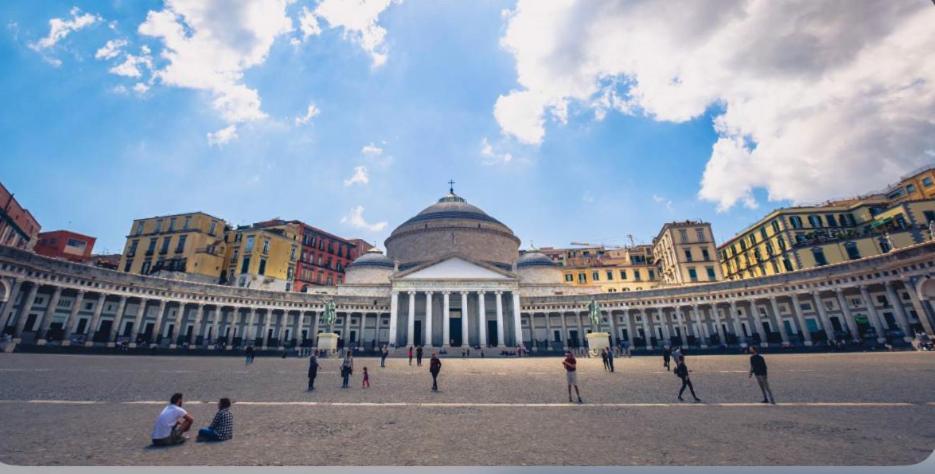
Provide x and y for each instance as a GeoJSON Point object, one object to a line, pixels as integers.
{"type": "Point", "coordinates": [570, 121]}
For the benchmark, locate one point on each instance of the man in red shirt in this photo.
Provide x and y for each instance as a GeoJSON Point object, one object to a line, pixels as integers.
{"type": "Point", "coordinates": [570, 365]}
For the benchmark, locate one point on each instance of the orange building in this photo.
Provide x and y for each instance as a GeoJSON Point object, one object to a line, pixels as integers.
{"type": "Point", "coordinates": [18, 228]}
{"type": "Point", "coordinates": [66, 245]}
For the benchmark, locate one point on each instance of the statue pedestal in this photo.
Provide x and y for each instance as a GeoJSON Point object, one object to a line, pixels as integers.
{"type": "Point", "coordinates": [598, 341]}
{"type": "Point", "coordinates": [328, 341]}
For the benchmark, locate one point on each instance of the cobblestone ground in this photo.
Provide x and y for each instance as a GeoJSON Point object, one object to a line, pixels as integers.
{"type": "Point", "coordinates": [834, 409]}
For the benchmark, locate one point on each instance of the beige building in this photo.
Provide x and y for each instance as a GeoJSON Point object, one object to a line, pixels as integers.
{"type": "Point", "coordinates": [182, 246]}
{"type": "Point", "coordinates": [606, 269]}
{"type": "Point", "coordinates": [685, 253]}
{"type": "Point", "coordinates": [264, 255]}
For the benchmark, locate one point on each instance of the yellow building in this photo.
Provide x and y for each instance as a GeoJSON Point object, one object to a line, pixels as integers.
{"type": "Point", "coordinates": [685, 253]}
{"type": "Point", "coordinates": [918, 185]}
{"type": "Point", "coordinates": [183, 246]}
{"type": "Point", "coordinates": [606, 269]}
{"type": "Point", "coordinates": [796, 238]}
{"type": "Point", "coordinates": [264, 255]}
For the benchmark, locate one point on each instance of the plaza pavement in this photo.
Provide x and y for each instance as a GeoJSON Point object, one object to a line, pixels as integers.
{"type": "Point", "coordinates": [834, 409]}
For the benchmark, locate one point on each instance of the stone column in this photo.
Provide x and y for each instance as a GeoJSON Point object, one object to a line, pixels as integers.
{"type": "Point", "coordinates": [199, 318]}
{"type": "Point", "coordinates": [216, 324]}
{"type": "Point", "coordinates": [848, 316]}
{"type": "Point", "coordinates": [160, 315]}
{"type": "Point", "coordinates": [347, 329]}
{"type": "Point", "coordinates": [177, 326]}
{"type": "Point", "coordinates": [626, 316]}
{"type": "Point", "coordinates": [614, 336]}
{"type": "Point", "coordinates": [138, 322]}
{"type": "Point", "coordinates": [681, 323]}
{"type": "Point", "coordinates": [394, 308]}
{"type": "Point", "coordinates": [500, 338]}
{"type": "Point", "coordinates": [872, 313]}
{"type": "Point", "coordinates": [411, 321]}
{"type": "Point", "coordinates": [918, 306]}
{"type": "Point", "coordinates": [428, 320]}
{"type": "Point", "coordinates": [823, 315]}
{"type": "Point", "coordinates": [465, 338]}
{"type": "Point", "coordinates": [268, 324]}
{"type": "Point", "coordinates": [118, 320]}
{"type": "Point", "coordinates": [797, 311]}
{"type": "Point", "coordinates": [722, 338]}
{"type": "Point", "coordinates": [95, 320]}
{"type": "Point", "coordinates": [757, 323]}
{"type": "Point", "coordinates": [72, 320]}
{"type": "Point", "coordinates": [517, 319]}
{"type": "Point", "coordinates": [565, 345]}
{"type": "Point", "coordinates": [782, 327]}
{"type": "Point", "coordinates": [648, 332]}
{"type": "Point", "coordinates": [548, 330]}
{"type": "Point", "coordinates": [316, 315]}
{"type": "Point", "coordinates": [481, 320]}
{"type": "Point", "coordinates": [665, 326]}
{"type": "Point", "coordinates": [7, 305]}
{"type": "Point", "coordinates": [735, 322]}
{"type": "Point", "coordinates": [446, 319]}
{"type": "Point", "coordinates": [23, 313]}
{"type": "Point", "coordinates": [699, 324]}
{"type": "Point", "coordinates": [901, 316]}
{"type": "Point", "coordinates": [48, 314]}
{"type": "Point", "coordinates": [580, 325]}
{"type": "Point", "coordinates": [360, 333]}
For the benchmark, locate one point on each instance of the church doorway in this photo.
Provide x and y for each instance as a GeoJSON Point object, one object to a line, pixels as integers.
{"type": "Point", "coordinates": [493, 339]}
{"type": "Point", "coordinates": [418, 335]}
{"type": "Point", "coordinates": [455, 330]}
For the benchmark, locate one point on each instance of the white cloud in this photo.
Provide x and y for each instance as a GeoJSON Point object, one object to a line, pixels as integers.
{"type": "Point", "coordinates": [130, 67]}
{"type": "Point", "coordinates": [491, 156]}
{"type": "Point", "coordinates": [308, 24]}
{"type": "Point", "coordinates": [140, 88]}
{"type": "Point", "coordinates": [371, 150]}
{"type": "Point", "coordinates": [60, 28]}
{"type": "Point", "coordinates": [664, 201]}
{"type": "Point", "coordinates": [809, 106]}
{"type": "Point", "coordinates": [360, 176]}
{"type": "Point", "coordinates": [111, 49]}
{"type": "Point", "coordinates": [355, 218]}
{"type": "Point", "coordinates": [209, 44]}
{"type": "Point", "coordinates": [311, 112]}
{"type": "Point", "coordinates": [222, 136]}
{"type": "Point", "coordinates": [358, 18]}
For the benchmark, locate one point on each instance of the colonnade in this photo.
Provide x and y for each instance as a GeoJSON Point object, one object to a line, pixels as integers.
{"type": "Point", "coordinates": [472, 315]}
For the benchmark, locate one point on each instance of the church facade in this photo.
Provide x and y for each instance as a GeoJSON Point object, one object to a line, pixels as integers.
{"type": "Point", "coordinates": [452, 276]}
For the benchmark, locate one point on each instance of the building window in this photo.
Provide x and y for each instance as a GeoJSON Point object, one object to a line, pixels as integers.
{"type": "Point", "coordinates": [152, 247]}
{"type": "Point", "coordinates": [795, 222]}
{"type": "Point", "coordinates": [814, 221]}
{"type": "Point", "coordinates": [610, 275]}
{"type": "Point", "coordinates": [787, 264]}
{"type": "Point", "coordinates": [911, 188]}
{"type": "Point", "coordinates": [129, 264]}
{"type": "Point", "coordinates": [819, 255]}
{"type": "Point", "coordinates": [705, 255]}
{"type": "Point", "coordinates": [927, 181]}
{"type": "Point", "coordinates": [265, 246]}
{"type": "Point", "coordinates": [249, 245]}
{"type": "Point", "coordinates": [165, 245]}
{"type": "Point", "coordinates": [623, 274]}
{"type": "Point", "coordinates": [853, 252]}
{"type": "Point", "coordinates": [636, 275]}
{"type": "Point", "coordinates": [569, 277]}
{"type": "Point", "coordinates": [692, 274]}
{"type": "Point", "coordinates": [596, 276]}
{"type": "Point", "coordinates": [683, 235]}
{"type": "Point", "coordinates": [181, 245]}
{"type": "Point", "coordinates": [187, 223]}
{"type": "Point", "coordinates": [245, 266]}
{"type": "Point", "coordinates": [929, 216]}
{"type": "Point", "coordinates": [171, 224]}
{"type": "Point", "coordinates": [711, 275]}
{"type": "Point", "coordinates": [775, 225]}
{"type": "Point", "coordinates": [145, 268]}
{"type": "Point", "coordinates": [884, 244]}
{"type": "Point", "coordinates": [133, 246]}
{"type": "Point", "coordinates": [214, 227]}
{"type": "Point", "coordinates": [159, 226]}
{"type": "Point", "coordinates": [652, 275]}
{"type": "Point", "coordinates": [139, 228]}
{"type": "Point", "coordinates": [688, 255]}
{"type": "Point", "coordinates": [582, 277]}
{"type": "Point", "coordinates": [262, 270]}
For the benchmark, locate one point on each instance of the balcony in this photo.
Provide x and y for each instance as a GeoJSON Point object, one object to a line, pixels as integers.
{"type": "Point", "coordinates": [830, 236]}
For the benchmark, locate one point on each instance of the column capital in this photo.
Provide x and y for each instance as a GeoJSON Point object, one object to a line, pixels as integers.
{"type": "Point", "coordinates": [481, 292]}
{"type": "Point", "coordinates": [429, 292]}
{"type": "Point", "coordinates": [464, 293]}
{"type": "Point", "coordinates": [411, 292]}
{"type": "Point", "coordinates": [499, 292]}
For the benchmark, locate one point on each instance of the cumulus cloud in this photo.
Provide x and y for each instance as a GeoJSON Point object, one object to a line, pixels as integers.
{"type": "Point", "coordinates": [222, 136]}
{"type": "Point", "coordinates": [372, 150]}
{"type": "Point", "coordinates": [360, 176]}
{"type": "Point", "coordinates": [310, 113]}
{"type": "Point", "coordinates": [359, 19]}
{"type": "Point", "coordinates": [208, 44]}
{"type": "Point", "coordinates": [355, 219]}
{"type": "Point", "coordinates": [308, 23]}
{"type": "Point", "coordinates": [813, 99]}
{"type": "Point", "coordinates": [111, 49]}
{"type": "Point", "coordinates": [130, 67]}
{"type": "Point", "coordinates": [60, 28]}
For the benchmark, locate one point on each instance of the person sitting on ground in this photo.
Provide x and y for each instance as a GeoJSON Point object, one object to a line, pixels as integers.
{"type": "Point", "coordinates": [172, 423]}
{"type": "Point", "coordinates": [222, 426]}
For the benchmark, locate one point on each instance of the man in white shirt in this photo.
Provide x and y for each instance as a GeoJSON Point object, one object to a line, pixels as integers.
{"type": "Point", "coordinates": [171, 423]}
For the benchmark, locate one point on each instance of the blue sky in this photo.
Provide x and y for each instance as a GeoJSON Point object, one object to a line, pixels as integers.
{"type": "Point", "coordinates": [84, 151]}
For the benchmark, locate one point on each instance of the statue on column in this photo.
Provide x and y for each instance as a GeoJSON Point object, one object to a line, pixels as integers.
{"type": "Point", "coordinates": [597, 340]}
{"type": "Point", "coordinates": [328, 341]}
{"type": "Point", "coordinates": [329, 315]}
{"type": "Point", "coordinates": [594, 312]}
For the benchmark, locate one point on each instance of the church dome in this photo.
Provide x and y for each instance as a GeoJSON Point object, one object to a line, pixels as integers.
{"type": "Point", "coordinates": [370, 268]}
{"type": "Point", "coordinates": [453, 226]}
{"type": "Point", "coordinates": [536, 267]}
{"type": "Point", "coordinates": [534, 259]}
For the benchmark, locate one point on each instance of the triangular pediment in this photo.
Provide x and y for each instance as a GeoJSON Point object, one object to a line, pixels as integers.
{"type": "Point", "coordinates": [455, 268]}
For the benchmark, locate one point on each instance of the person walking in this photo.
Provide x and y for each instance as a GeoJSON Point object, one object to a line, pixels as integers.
{"type": "Point", "coordinates": [758, 369]}
{"type": "Point", "coordinates": [610, 360]}
{"type": "Point", "coordinates": [419, 356]}
{"type": "Point", "coordinates": [666, 356]}
{"type": "Point", "coordinates": [570, 364]}
{"type": "Point", "coordinates": [383, 353]}
{"type": "Point", "coordinates": [222, 426]}
{"type": "Point", "coordinates": [366, 382]}
{"type": "Point", "coordinates": [604, 359]}
{"type": "Point", "coordinates": [435, 366]}
{"type": "Point", "coordinates": [347, 368]}
{"type": "Point", "coordinates": [249, 353]}
{"type": "Point", "coordinates": [312, 372]}
{"type": "Point", "coordinates": [681, 371]}
{"type": "Point", "coordinates": [410, 355]}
